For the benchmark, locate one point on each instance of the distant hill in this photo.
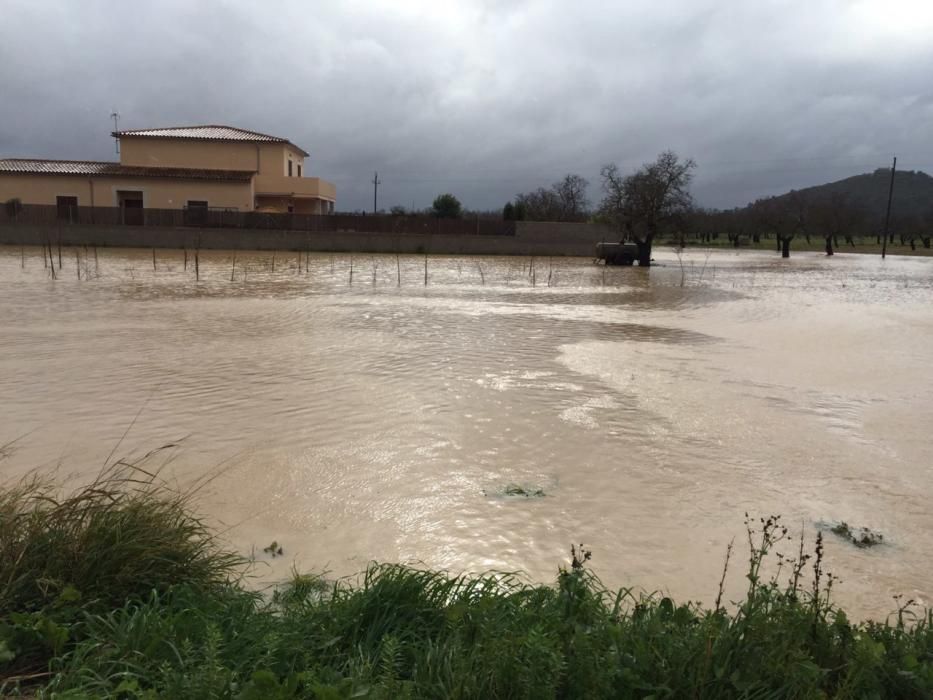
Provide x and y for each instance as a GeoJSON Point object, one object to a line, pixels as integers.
{"type": "Point", "coordinates": [913, 192]}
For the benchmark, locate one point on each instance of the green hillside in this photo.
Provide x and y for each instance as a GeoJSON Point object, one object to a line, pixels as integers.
{"type": "Point", "coordinates": [913, 193]}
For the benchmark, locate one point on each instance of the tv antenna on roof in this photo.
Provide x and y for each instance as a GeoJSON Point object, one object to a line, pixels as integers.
{"type": "Point", "coordinates": [115, 115]}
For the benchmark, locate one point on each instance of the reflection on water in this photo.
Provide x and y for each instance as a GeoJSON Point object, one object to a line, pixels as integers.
{"type": "Point", "coordinates": [379, 416]}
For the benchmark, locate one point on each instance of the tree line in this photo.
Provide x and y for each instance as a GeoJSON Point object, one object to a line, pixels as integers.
{"type": "Point", "coordinates": [655, 200]}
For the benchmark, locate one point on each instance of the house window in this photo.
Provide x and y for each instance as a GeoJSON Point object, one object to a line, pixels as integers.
{"type": "Point", "coordinates": [299, 170]}
{"type": "Point", "coordinates": [197, 204]}
{"type": "Point", "coordinates": [67, 208]}
{"type": "Point", "coordinates": [289, 168]}
{"type": "Point", "coordinates": [291, 209]}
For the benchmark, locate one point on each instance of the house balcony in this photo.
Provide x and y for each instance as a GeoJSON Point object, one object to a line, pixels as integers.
{"type": "Point", "coordinates": [299, 187]}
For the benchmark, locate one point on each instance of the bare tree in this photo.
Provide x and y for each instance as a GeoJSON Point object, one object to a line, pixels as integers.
{"type": "Point", "coordinates": [837, 215]}
{"type": "Point", "coordinates": [563, 201]}
{"type": "Point", "coordinates": [642, 203]}
{"type": "Point", "coordinates": [571, 196]}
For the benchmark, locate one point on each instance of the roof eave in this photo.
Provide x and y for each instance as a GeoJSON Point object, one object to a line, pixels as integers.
{"type": "Point", "coordinates": [272, 140]}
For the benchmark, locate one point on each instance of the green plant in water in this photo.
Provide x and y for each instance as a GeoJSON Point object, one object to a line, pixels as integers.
{"type": "Point", "coordinates": [526, 491]}
{"type": "Point", "coordinates": [861, 537]}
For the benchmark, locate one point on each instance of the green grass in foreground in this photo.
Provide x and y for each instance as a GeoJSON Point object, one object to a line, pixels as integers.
{"type": "Point", "coordinates": [118, 590]}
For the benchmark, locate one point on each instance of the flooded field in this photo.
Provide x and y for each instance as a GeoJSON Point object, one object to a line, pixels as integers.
{"type": "Point", "coordinates": [384, 415]}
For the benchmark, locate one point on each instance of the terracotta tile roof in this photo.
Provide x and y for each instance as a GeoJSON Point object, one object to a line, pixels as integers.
{"type": "Point", "coordinates": [206, 132]}
{"type": "Point", "coordinates": [92, 168]}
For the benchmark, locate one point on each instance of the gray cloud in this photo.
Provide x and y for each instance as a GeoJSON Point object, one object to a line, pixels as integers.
{"type": "Point", "coordinates": [486, 99]}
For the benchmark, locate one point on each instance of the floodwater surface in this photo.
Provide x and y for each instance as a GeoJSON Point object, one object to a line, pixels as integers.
{"type": "Point", "coordinates": [384, 415]}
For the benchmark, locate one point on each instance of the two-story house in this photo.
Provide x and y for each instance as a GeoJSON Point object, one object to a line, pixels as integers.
{"type": "Point", "coordinates": [214, 167]}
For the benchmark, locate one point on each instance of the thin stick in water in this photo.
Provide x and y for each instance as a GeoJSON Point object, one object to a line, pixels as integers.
{"type": "Point", "coordinates": [233, 269]}
{"type": "Point", "coordinates": [51, 261]}
{"type": "Point", "coordinates": [398, 271]}
{"type": "Point", "coordinates": [425, 270]}
{"type": "Point", "coordinates": [153, 260]}
{"type": "Point", "coordinates": [78, 263]}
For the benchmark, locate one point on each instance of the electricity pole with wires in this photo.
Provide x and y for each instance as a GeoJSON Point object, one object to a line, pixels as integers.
{"type": "Point", "coordinates": [376, 183]}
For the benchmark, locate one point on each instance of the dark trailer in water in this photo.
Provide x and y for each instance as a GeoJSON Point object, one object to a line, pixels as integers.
{"type": "Point", "coordinates": [617, 253]}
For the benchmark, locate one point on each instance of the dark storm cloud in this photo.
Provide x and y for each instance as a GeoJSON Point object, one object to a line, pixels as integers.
{"type": "Point", "coordinates": [486, 99]}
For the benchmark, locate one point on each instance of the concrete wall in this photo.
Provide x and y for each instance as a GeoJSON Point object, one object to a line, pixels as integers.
{"type": "Point", "coordinates": [158, 193]}
{"type": "Point", "coordinates": [541, 239]}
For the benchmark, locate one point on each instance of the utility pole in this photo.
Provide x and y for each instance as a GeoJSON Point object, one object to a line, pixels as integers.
{"type": "Point", "coordinates": [116, 127]}
{"type": "Point", "coordinates": [376, 183]}
{"type": "Point", "coordinates": [887, 215]}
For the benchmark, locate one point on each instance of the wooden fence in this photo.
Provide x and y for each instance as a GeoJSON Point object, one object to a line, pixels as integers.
{"type": "Point", "coordinates": [44, 215]}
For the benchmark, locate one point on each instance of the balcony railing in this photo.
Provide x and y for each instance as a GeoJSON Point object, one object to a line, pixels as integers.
{"type": "Point", "coordinates": [51, 215]}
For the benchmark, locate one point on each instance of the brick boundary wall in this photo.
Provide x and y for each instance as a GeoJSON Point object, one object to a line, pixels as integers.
{"type": "Point", "coordinates": [531, 238]}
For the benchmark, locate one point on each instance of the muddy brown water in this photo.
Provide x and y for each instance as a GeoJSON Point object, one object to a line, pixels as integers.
{"type": "Point", "coordinates": [383, 419]}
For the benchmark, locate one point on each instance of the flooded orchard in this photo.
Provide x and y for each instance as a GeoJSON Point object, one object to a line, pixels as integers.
{"type": "Point", "coordinates": [386, 414]}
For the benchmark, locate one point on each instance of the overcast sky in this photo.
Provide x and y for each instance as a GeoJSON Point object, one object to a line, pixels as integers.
{"type": "Point", "coordinates": [485, 99]}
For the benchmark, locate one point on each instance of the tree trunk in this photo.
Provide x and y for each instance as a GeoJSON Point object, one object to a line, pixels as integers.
{"type": "Point", "coordinates": [913, 244]}
{"type": "Point", "coordinates": [735, 241]}
{"type": "Point", "coordinates": [829, 245]}
{"type": "Point", "coordinates": [644, 253]}
{"type": "Point", "coordinates": [785, 248]}
{"type": "Point", "coordinates": [926, 242]}
{"type": "Point", "coordinates": [777, 242]}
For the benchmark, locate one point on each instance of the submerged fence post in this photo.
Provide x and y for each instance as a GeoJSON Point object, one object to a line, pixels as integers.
{"type": "Point", "coordinates": [398, 271]}
{"type": "Point", "coordinates": [78, 263]}
{"type": "Point", "coordinates": [153, 260]}
{"type": "Point", "coordinates": [425, 270]}
{"type": "Point", "coordinates": [51, 261]}
{"type": "Point", "coordinates": [351, 269]}
{"type": "Point", "coordinates": [233, 269]}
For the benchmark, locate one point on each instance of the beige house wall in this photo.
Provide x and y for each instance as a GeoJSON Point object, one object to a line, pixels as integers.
{"type": "Point", "coordinates": [264, 158]}
{"type": "Point", "coordinates": [158, 193]}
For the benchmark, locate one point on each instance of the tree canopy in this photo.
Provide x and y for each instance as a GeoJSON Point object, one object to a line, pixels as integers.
{"type": "Point", "coordinates": [446, 206]}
